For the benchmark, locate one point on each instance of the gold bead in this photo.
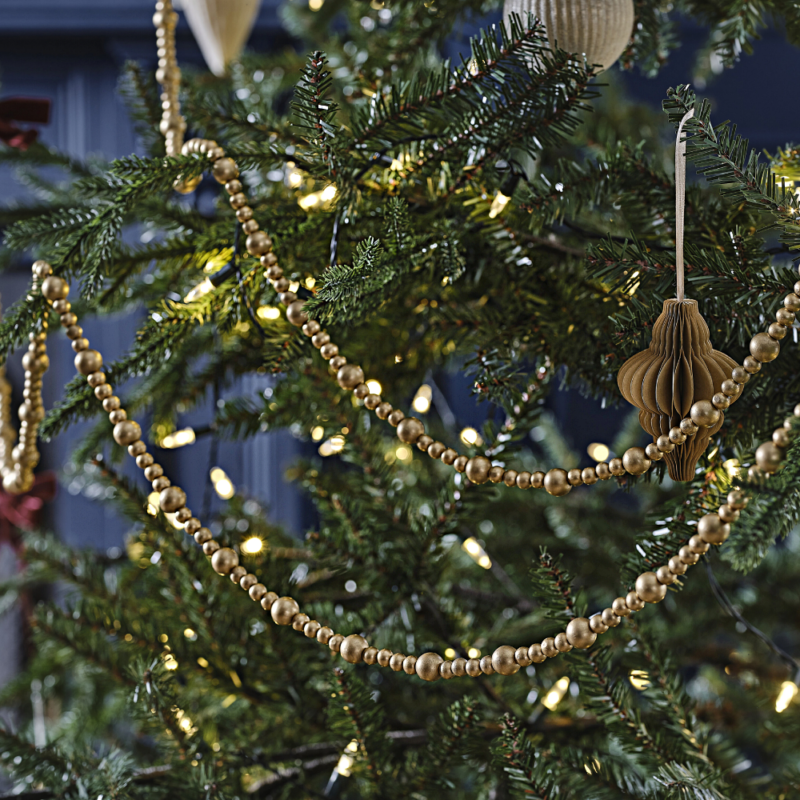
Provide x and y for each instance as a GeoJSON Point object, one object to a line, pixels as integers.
{"type": "Point", "coordinates": [579, 633]}
{"type": "Point", "coordinates": [503, 660]}
{"type": "Point", "coordinates": [703, 414]}
{"type": "Point", "coordinates": [335, 642]}
{"type": "Point", "coordinates": [287, 298]}
{"type": "Point", "coordinates": [436, 449]}
{"type": "Point", "coordinates": [96, 379]}
{"type": "Point", "coordinates": [473, 668]}
{"type": "Point", "coordinates": [210, 547]}
{"type": "Point", "coordinates": [523, 480]}
{"type": "Point", "coordinates": [244, 214]}
{"type": "Point", "coordinates": [687, 556]}
{"type": "Point", "coordinates": [459, 667]}
{"type": "Point", "coordinates": [784, 317]}
{"type": "Point", "coordinates": [62, 306]}
{"type": "Point", "coordinates": [80, 344]}
{"type": "Point", "coordinates": [589, 476]}
{"type": "Point", "coordinates": [737, 499]}
{"type": "Point", "coordinates": [88, 361]}
{"type": "Point", "coordinates": [495, 474]}
{"type": "Point", "coordinates": [549, 647]}
{"type": "Point", "coordinates": [395, 418]}
{"type": "Point", "coordinates": [41, 269]}
{"type": "Point", "coordinates": [535, 654]}
{"type": "Point", "coordinates": [248, 581]}
{"type": "Point", "coordinates": [384, 656]}
{"type": "Point", "coordinates": [409, 430]}
{"type": "Point", "coordinates": [521, 656]}
{"type": "Point", "coordinates": [137, 448]}
{"type": "Point", "coordinates": [649, 589]}
{"type": "Point", "coordinates": [427, 666]}
{"type": "Point", "coordinates": [751, 365]}
{"type": "Point", "coordinates": [159, 484]}
{"type": "Point", "coordinates": [353, 648]}
{"type": "Point", "coordinates": [446, 670]}
{"type": "Point", "coordinates": [477, 469]}
{"type": "Point", "coordinates": [635, 461]}
{"type": "Point", "coordinates": [728, 514]}
{"type": "Point", "coordinates": [127, 432]}
{"type": "Point", "coordinates": [769, 457]}
{"type": "Point", "coordinates": [383, 410]}
{"type": "Point", "coordinates": [172, 499]}
{"type": "Point", "coordinates": [283, 610]}
{"type": "Point", "coordinates": [740, 375]}
{"type": "Point", "coordinates": [562, 643]}
{"type": "Point", "coordinates": [448, 456]}
{"type": "Point", "coordinates": [486, 665]}
{"type": "Point", "coordinates": [510, 477]}
{"type": "Point", "coordinates": [349, 376]}
{"type": "Point", "coordinates": [153, 471]}
{"type": "Point", "coordinates": [74, 332]}
{"type": "Point", "coordinates": [712, 529]}
{"type": "Point", "coordinates": [323, 634]}
{"type": "Point", "coordinates": [764, 348]}
{"type": "Point", "coordinates": [410, 665]}
{"type": "Point", "coordinates": [311, 627]}
{"type": "Point", "coordinates": [225, 170]}
{"type": "Point", "coordinates": [372, 401]}
{"type": "Point", "coordinates": [676, 566]}
{"type": "Point", "coordinates": [144, 460]}
{"type": "Point", "coordinates": [299, 621]}
{"type": "Point", "coordinates": [201, 535]}
{"type": "Point", "coordinates": [311, 328]}
{"type": "Point", "coordinates": [664, 444]}
{"type": "Point", "coordinates": [781, 437]}
{"type": "Point", "coordinates": [295, 313]}
{"type": "Point", "coordinates": [537, 479]}
{"type": "Point", "coordinates": [55, 288]}
{"type": "Point", "coordinates": [634, 602]}
{"type": "Point", "coordinates": [424, 442]}
{"type": "Point", "coordinates": [556, 483]}
{"type": "Point", "coordinates": [224, 560]}
{"type": "Point", "coordinates": [597, 625]}
{"type": "Point", "coordinates": [665, 576]}
{"type": "Point", "coordinates": [573, 477]}
{"type": "Point", "coordinates": [616, 466]}
{"type": "Point", "coordinates": [697, 545]}
{"type": "Point", "coordinates": [676, 435]}
{"type": "Point", "coordinates": [234, 187]}
{"type": "Point", "coordinates": [720, 401]}
{"type": "Point", "coordinates": [460, 464]}
{"type": "Point", "coordinates": [603, 471]}
{"type": "Point", "coordinates": [321, 338]}
{"type": "Point", "coordinates": [755, 473]}
{"type": "Point", "coordinates": [610, 618]}
{"type": "Point", "coordinates": [103, 391]}
{"type": "Point", "coordinates": [258, 243]}
{"type": "Point", "coordinates": [369, 656]}
{"type": "Point", "coordinates": [620, 607]}
{"type": "Point", "coordinates": [652, 452]}
{"type": "Point", "coordinates": [337, 362]}
{"type": "Point", "coordinates": [792, 302]}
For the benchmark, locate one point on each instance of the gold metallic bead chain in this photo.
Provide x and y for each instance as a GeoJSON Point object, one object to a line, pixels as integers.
{"type": "Point", "coordinates": [581, 632]}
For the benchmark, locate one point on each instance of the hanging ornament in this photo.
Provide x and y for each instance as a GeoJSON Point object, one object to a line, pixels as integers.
{"type": "Point", "coordinates": [598, 29]}
{"type": "Point", "coordinates": [673, 379]}
{"type": "Point", "coordinates": [221, 28]}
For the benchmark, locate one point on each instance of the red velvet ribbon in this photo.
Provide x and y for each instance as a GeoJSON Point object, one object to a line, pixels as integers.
{"type": "Point", "coordinates": [22, 109]}
{"type": "Point", "coordinates": [22, 511]}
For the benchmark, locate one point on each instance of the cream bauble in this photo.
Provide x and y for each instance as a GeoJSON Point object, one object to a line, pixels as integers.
{"type": "Point", "coordinates": [600, 29]}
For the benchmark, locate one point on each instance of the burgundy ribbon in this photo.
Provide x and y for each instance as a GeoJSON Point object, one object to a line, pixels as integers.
{"type": "Point", "coordinates": [22, 109]}
{"type": "Point", "coordinates": [21, 511]}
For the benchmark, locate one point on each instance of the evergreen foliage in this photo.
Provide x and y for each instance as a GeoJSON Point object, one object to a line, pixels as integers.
{"type": "Point", "coordinates": [161, 680]}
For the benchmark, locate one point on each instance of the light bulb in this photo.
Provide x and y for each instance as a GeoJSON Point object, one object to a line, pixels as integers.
{"type": "Point", "coordinates": [639, 679]}
{"type": "Point", "coordinates": [252, 545]}
{"type": "Point", "coordinates": [471, 437]}
{"type": "Point", "coordinates": [498, 204]}
{"type": "Point", "coordinates": [786, 695]}
{"type": "Point", "coordinates": [422, 399]}
{"type": "Point", "coordinates": [556, 693]}
{"type": "Point", "coordinates": [202, 289]}
{"type": "Point", "coordinates": [374, 387]}
{"type": "Point", "coordinates": [223, 485]}
{"type": "Point", "coordinates": [178, 439]}
{"type": "Point", "coordinates": [597, 451]}
{"type": "Point", "coordinates": [268, 312]}
{"type": "Point", "coordinates": [478, 554]}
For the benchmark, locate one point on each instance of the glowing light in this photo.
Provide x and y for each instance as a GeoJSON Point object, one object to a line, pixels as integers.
{"type": "Point", "coordinates": [498, 204]}
{"type": "Point", "coordinates": [396, 165]}
{"type": "Point", "coordinates": [295, 178]}
{"type": "Point", "coordinates": [294, 286]}
{"type": "Point", "coordinates": [732, 467]}
{"type": "Point", "coordinates": [185, 723]}
{"type": "Point", "coordinates": [331, 446]}
{"type": "Point", "coordinates": [597, 451]}
{"type": "Point", "coordinates": [317, 433]}
{"type": "Point", "coordinates": [309, 201]}
{"type": "Point", "coordinates": [223, 485]}
{"type": "Point", "coordinates": [268, 312]}
{"type": "Point", "coordinates": [169, 662]}
{"type": "Point", "coordinates": [450, 653]}
{"type": "Point", "coordinates": [189, 634]}
{"type": "Point", "coordinates": [639, 679]}
{"type": "Point", "coordinates": [152, 503]}
{"type": "Point", "coordinates": [315, 5]}
{"type": "Point", "coordinates": [346, 760]}
{"type": "Point", "coordinates": [229, 701]}
{"type": "Point", "coordinates": [202, 662]}
{"type": "Point", "coordinates": [398, 359]}
{"type": "Point", "coordinates": [374, 387]}
{"type": "Point", "coordinates": [202, 289]}
{"type": "Point", "coordinates": [328, 193]}
{"type": "Point", "coordinates": [310, 282]}
{"type": "Point", "coordinates": [478, 554]}
{"type": "Point", "coordinates": [473, 652]}
{"type": "Point", "coordinates": [786, 695]}
{"type": "Point", "coordinates": [404, 454]}
{"type": "Point", "coordinates": [473, 67]}
{"type": "Point", "coordinates": [634, 283]}
{"type": "Point", "coordinates": [556, 693]}
{"type": "Point", "coordinates": [252, 545]}
{"type": "Point", "coordinates": [178, 439]}
{"type": "Point", "coordinates": [470, 436]}
{"type": "Point", "coordinates": [422, 399]}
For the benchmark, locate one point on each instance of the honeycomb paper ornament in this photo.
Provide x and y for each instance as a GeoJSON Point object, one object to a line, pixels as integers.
{"type": "Point", "coordinates": [598, 29]}
{"type": "Point", "coordinates": [680, 367]}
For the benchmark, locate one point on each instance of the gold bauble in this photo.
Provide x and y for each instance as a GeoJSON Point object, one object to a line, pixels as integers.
{"type": "Point", "coordinates": [127, 432]}
{"type": "Point", "coordinates": [478, 469]}
{"type": "Point", "coordinates": [679, 368]}
{"type": "Point", "coordinates": [634, 602]}
{"type": "Point", "coordinates": [409, 430]}
{"type": "Point", "coordinates": [556, 483]}
{"type": "Point", "coordinates": [55, 288]}
{"type": "Point", "coordinates": [349, 376]}
{"type": "Point", "coordinates": [352, 648]}
{"type": "Point", "coordinates": [769, 457]}
{"type": "Point", "coordinates": [580, 634]}
{"type": "Point", "coordinates": [427, 666]}
{"type": "Point", "coordinates": [535, 654]}
{"type": "Point", "coordinates": [635, 461]}
{"type": "Point", "coordinates": [224, 560]}
{"type": "Point", "coordinates": [486, 665]}
{"type": "Point", "coordinates": [764, 348]}
{"type": "Point", "coordinates": [597, 625]}
{"type": "Point", "coordinates": [283, 611]}
{"type": "Point", "coordinates": [88, 361]}
{"type": "Point", "coordinates": [171, 499]}
{"type": "Point", "coordinates": [295, 313]}
{"type": "Point", "coordinates": [225, 170]}
{"type": "Point", "coordinates": [549, 647]}
{"type": "Point", "coordinates": [712, 529]}
{"type": "Point", "coordinates": [258, 243]}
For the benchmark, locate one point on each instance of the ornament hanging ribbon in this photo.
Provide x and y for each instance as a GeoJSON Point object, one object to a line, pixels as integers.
{"type": "Point", "coordinates": [22, 109]}
{"type": "Point", "coordinates": [680, 203]}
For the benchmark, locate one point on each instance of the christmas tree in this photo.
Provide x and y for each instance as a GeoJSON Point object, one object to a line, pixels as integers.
{"type": "Point", "coordinates": [500, 217]}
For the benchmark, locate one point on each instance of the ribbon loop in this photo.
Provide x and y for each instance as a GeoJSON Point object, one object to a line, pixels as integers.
{"type": "Point", "coordinates": [680, 203]}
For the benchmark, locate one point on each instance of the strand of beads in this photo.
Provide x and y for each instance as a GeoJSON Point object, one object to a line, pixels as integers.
{"type": "Point", "coordinates": [581, 632]}
{"type": "Point", "coordinates": [173, 125]}
{"type": "Point", "coordinates": [17, 465]}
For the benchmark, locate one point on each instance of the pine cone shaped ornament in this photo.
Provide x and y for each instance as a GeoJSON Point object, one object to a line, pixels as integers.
{"type": "Point", "coordinates": [679, 368]}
